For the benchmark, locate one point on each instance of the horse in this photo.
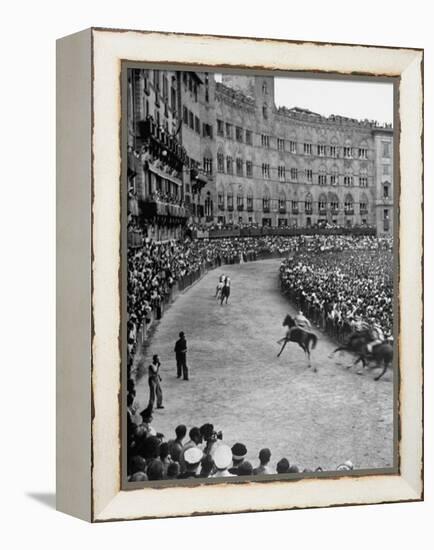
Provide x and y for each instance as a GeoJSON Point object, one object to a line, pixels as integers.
{"type": "Point", "coordinates": [225, 293]}
{"type": "Point", "coordinates": [300, 336]}
{"type": "Point", "coordinates": [382, 353]}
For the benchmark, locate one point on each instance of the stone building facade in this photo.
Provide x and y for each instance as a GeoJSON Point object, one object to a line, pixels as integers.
{"type": "Point", "coordinates": [235, 158]}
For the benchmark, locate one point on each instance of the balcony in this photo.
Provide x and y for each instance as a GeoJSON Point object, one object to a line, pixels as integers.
{"type": "Point", "coordinates": [349, 212]}
{"type": "Point", "coordinates": [322, 212]}
{"type": "Point", "coordinates": [282, 209]}
{"type": "Point", "coordinates": [230, 207]}
{"type": "Point", "coordinates": [221, 207]}
{"type": "Point", "coordinates": [295, 211]}
{"type": "Point", "coordinates": [240, 207]}
{"type": "Point", "coordinates": [249, 208]}
{"type": "Point", "coordinates": [266, 209]}
{"type": "Point", "coordinates": [152, 208]}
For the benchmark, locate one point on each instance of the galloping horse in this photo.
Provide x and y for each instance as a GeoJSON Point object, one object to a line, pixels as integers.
{"type": "Point", "coordinates": [225, 292]}
{"type": "Point", "coordinates": [298, 335]}
{"type": "Point", "coordinates": [382, 353]}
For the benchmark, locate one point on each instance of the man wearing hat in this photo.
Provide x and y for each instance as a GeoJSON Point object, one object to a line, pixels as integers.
{"type": "Point", "coordinates": [154, 380]}
{"type": "Point", "coordinates": [192, 458]}
{"type": "Point", "coordinates": [181, 357]}
{"type": "Point", "coordinates": [239, 452]}
{"type": "Point", "coordinates": [222, 459]}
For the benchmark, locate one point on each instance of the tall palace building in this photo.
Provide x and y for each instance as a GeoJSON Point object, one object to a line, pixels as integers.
{"type": "Point", "coordinates": [207, 152]}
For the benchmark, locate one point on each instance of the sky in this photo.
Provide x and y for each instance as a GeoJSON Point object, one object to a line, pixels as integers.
{"type": "Point", "coordinates": [350, 98]}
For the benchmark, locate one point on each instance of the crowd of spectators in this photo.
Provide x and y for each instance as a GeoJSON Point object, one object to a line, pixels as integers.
{"type": "Point", "coordinates": [201, 454]}
{"type": "Point", "coordinates": [342, 281]}
{"type": "Point", "coordinates": [315, 276]}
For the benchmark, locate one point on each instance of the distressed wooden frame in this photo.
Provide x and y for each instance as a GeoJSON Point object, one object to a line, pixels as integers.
{"type": "Point", "coordinates": [88, 273]}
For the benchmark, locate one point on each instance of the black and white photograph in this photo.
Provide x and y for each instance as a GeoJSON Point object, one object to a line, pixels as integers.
{"type": "Point", "coordinates": [260, 275]}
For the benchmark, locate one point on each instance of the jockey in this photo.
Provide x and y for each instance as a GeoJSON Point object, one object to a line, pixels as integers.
{"type": "Point", "coordinates": [377, 335]}
{"type": "Point", "coordinates": [302, 322]}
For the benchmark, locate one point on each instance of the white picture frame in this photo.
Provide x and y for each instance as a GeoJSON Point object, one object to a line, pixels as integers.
{"type": "Point", "coordinates": [88, 272]}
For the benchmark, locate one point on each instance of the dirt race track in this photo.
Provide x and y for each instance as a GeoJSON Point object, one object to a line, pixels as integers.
{"type": "Point", "coordinates": [238, 383]}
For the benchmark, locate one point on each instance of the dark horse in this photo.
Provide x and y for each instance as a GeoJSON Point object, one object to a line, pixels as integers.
{"type": "Point", "coordinates": [382, 353]}
{"type": "Point", "coordinates": [298, 335]}
{"type": "Point", "coordinates": [225, 293]}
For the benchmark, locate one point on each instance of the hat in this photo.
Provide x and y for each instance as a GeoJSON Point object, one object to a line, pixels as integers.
{"type": "Point", "coordinates": [222, 457]}
{"type": "Point", "coordinates": [193, 455]}
{"type": "Point", "coordinates": [239, 451]}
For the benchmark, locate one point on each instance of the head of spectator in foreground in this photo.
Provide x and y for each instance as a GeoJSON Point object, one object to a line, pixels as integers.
{"type": "Point", "coordinates": [347, 465]}
{"type": "Point", "coordinates": [136, 464]}
{"type": "Point", "coordinates": [245, 469]}
{"type": "Point", "coordinates": [282, 466]}
{"type": "Point", "coordinates": [164, 450]}
{"type": "Point", "coordinates": [195, 435]}
{"type": "Point", "coordinates": [206, 431]}
{"type": "Point", "coordinates": [138, 476]}
{"type": "Point", "coordinates": [181, 334]}
{"type": "Point", "coordinates": [180, 432]}
{"type": "Point", "coordinates": [222, 457]}
{"type": "Point", "coordinates": [173, 470]}
{"type": "Point", "coordinates": [264, 456]}
{"type": "Point", "coordinates": [192, 458]}
{"type": "Point", "coordinates": [239, 452]}
{"type": "Point", "coordinates": [155, 471]}
{"type": "Point", "coordinates": [146, 415]}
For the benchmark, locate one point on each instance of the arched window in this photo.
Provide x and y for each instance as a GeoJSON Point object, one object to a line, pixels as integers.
{"type": "Point", "coordinates": [266, 200]}
{"type": "Point", "coordinates": [229, 165]}
{"type": "Point", "coordinates": [334, 147]}
{"type": "Point", "coordinates": [265, 111]}
{"type": "Point", "coordinates": [240, 199]}
{"type": "Point", "coordinates": [264, 88]}
{"type": "Point", "coordinates": [348, 178]}
{"type": "Point", "coordinates": [230, 200]}
{"type": "Point", "coordinates": [239, 166]}
{"type": "Point", "coordinates": [363, 177]}
{"type": "Point", "coordinates": [364, 204]}
{"type": "Point", "coordinates": [348, 149]}
{"type": "Point", "coordinates": [334, 178]}
{"type": "Point", "coordinates": [208, 204]}
{"type": "Point", "coordinates": [386, 190]}
{"type": "Point", "coordinates": [308, 204]}
{"type": "Point", "coordinates": [322, 204]}
{"type": "Point", "coordinates": [221, 198]}
{"type": "Point", "coordinates": [322, 176]}
{"type": "Point", "coordinates": [250, 200]}
{"type": "Point", "coordinates": [220, 162]}
{"type": "Point", "coordinates": [282, 202]}
{"type": "Point", "coordinates": [334, 203]}
{"type": "Point", "coordinates": [349, 205]}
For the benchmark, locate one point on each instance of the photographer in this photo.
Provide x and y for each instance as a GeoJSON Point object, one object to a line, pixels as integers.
{"type": "Point", "coordinates": [211, 438]}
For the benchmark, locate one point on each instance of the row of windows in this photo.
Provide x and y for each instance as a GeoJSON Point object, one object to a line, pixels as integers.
{"type": "Point", "coordinates": [245, 136]}
{"type": "Point", "coordinates": [334, 206]}
{"type": "Point", "coordinates": [323, 178]}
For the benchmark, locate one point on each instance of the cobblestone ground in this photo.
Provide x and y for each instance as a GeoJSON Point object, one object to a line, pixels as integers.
{"type": "Point", "coordinates": [238, 383]}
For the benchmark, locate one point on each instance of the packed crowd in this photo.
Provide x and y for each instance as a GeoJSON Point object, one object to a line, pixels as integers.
{"type": "Point", "coordinates": [154, 268]}
{"type": "Point", "coordinates": [201, 454]}
{"type": "Point", "coordinates": [343, 281]}
{"type": "Point", "coordinates": [316, 276]}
